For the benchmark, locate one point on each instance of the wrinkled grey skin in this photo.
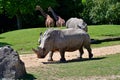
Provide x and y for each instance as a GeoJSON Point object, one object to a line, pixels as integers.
{"type": "Point", "coordinates": [63, 40]}
{"type": "Point", "coordinates": [39, 40]}
{"type": "Point", "coordinates": [76, 23]}
{"type": "Point", "coordinates": [50, 53]}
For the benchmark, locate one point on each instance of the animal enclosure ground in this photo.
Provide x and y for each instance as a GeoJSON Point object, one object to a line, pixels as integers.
{"type": "Point", "coordinates": [102, 67]}
{"type": "Point", "coordinates": [31, 60]}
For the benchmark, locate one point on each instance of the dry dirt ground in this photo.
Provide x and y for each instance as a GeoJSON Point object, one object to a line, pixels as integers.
{"type": "Point", "coordinates": [31, 60]}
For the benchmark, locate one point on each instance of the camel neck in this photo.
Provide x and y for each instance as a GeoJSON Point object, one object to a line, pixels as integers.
{"type": "Point", "coordinates": [54, 14]}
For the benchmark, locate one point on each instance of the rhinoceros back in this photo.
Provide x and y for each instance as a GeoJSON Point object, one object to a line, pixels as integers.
{"type": "Point", "coordinates": [76, 37]}
{"type": "Point", "coordinates": [76, 23]}
{"type": "Point", "coordinates": [71, 39]}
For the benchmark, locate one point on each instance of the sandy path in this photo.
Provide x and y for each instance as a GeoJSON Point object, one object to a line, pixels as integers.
{"type": "Point", "coordinates": [31, 60]}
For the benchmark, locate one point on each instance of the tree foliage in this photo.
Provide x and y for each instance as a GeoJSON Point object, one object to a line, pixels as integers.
{"type": "Point", "coordinates": [69, 8]}
{"type": "Point", "coordinates": [19, 8]}
{"type": "Point", "coordinates": [102, 11]}
{"type": "Point", "coordinates": [113, 13]}
{"type": "Point", "coordinates": [12, 7]}
{"type": "Point", "coordinates": [92, 11]}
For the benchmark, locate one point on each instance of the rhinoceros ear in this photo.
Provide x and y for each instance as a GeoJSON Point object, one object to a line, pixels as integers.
{"type": "Point", "coordinates": [40, 33]}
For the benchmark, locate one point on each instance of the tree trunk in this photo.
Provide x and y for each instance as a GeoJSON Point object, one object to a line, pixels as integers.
{"type": "Point", "coordinates": [19, 20]}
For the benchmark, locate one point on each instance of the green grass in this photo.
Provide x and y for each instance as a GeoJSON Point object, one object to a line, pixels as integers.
{"type": "Point", "coordinates": [104, 31]}
{"type": "Point", "coordinates": [25, 39]}
{"type": "Point", "coordinates": [99, 66]}
{"type": "Point", "coordinates": [21, 40]}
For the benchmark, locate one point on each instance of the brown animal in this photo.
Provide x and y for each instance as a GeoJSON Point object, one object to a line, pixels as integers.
{"type": "Point", "coordinates": [59, 21]}
{"type": "Point", "coordinates": [49, 22]}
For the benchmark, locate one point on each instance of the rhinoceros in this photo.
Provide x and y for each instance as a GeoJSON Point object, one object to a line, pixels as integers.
{"type": "Point", "coordinates": [76, 23]}
{"type": "Point", "coordinates": [39, 40]}
{"type": "Point", "coordinates": [63, 40]}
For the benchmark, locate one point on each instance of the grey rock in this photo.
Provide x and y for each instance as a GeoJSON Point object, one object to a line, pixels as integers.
{"type": "Point", "coordinates": [11, 67]}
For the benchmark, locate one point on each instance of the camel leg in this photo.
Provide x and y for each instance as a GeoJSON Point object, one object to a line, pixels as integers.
{"type": "Point", "coordinates": [46, 24]}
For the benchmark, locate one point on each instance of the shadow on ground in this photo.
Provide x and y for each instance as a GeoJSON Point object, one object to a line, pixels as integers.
{"type": "Point", "coordinates": [4, 44]}
{"type": "Point", "coordinates": [74, 60]}
{"type": "Point", "coordinates": [28, 77]}
{"type": "Point", "coordinates": [2, 37]}
{"type": "Point", "coordinates": [96, 41]}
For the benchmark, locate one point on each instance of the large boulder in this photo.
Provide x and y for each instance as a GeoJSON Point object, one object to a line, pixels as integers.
{"type": "Point", "coordinates": [11, 67]}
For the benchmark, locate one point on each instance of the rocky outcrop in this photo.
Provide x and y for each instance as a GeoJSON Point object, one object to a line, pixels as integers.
{"type": "Point", "coordinates": [11, 67]}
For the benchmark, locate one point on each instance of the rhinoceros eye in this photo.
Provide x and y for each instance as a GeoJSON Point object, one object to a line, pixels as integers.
{"type": "Point", "coordinates": [48, 37]}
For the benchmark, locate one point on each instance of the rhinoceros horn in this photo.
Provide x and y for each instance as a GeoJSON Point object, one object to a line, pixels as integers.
{"type": "Point", "coordinates": [37, 52]}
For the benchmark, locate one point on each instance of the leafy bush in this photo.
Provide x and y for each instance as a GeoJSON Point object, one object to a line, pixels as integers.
{"type": "Point", "coordinates": [102, 11]}
{"type": "Point", "coordinates": [113, 13]}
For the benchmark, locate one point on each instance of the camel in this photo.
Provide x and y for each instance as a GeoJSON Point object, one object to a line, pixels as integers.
{"type": "Point", "coordinates": [49, 22]}
{"type": "Point", "coordinates": [59, 21]}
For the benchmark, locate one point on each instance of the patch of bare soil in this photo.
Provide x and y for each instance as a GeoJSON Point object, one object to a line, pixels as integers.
{"type": "Point", "coordinates": [31, 60]}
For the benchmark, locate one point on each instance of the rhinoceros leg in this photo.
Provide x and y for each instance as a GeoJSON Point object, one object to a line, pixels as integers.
{"type": "Point", "coordinates": [81, 52]}
{"type": "Point", "coordinates": [62, 54]}
{"type": "Point", "coordinates": [50, 56]}
{"type": "Point", "coordinates": [89, 51]}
